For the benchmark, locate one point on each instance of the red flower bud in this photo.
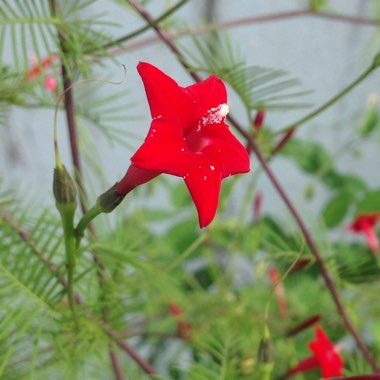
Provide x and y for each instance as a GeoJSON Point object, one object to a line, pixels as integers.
{"type": "Point", "coordinates": [259, 120]}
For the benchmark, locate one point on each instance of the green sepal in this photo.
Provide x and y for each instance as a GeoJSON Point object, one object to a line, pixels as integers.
{"type": "Point", "coordinates": [109, 200]}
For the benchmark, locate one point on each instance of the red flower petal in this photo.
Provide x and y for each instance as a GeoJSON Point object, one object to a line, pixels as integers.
{"type": "Point", "coordinates": [303, 366]}
{"type": "Point", "coordinates": [206, 95]}
{"type": "Point", "coordinates": [203, 181]}
{"type": "Point", "coordinates": [329, 359]}
{"type": "Point", "coordinates": [164, 149]}
{"type": "Point", "coordinates": [225, 149]}
{"type": "Point", "coordinates": [372, 239]}
{"type": "Point", "coordinates": [363, 221]}
{"type": "Point", "coordinates": [166, 98]}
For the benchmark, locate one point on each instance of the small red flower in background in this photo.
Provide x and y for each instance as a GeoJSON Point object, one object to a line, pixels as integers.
{"type": "Point", "coordinates": [183, 328]}
{"type": "Point", "coordinates": [50, 83]}
{"type": "Point", "coordinates": [365, 224]}
{"type": "Point", "coordinates": [188, 138]}
{"type": "Point", "coordinates": [325, 356]}
{"type": "Point", "coordinates": [259, 120]}
{"type": "Point", "coordinates": [40, 68]}
{"type": "Point", "coordinates": [279, 290]}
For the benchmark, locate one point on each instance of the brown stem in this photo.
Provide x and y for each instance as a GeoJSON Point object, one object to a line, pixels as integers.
{"type": "Point", "coordinates": [283, 140]}
{"type": "Point", "coordinates": [71, 124]}
{"type": "Point", "coordinates": [25, 236]}
{"type": "Point", "coordinates": [306, 233]}
{"type": "Point", "coordinates": [115, 363]}
{"type": "Point", "coordinates": [144, 365]}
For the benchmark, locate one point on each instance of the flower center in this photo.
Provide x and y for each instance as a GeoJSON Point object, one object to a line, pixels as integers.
{"type": "Point", "coordinates": [214, 115]}
{"type": "Point", "coordinates": [195, 139]}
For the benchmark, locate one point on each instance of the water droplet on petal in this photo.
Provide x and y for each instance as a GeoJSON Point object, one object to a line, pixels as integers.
{"type": "Point", "coordinates": [205, 177]}
{"type": "Point", "coordinates": [212, 167]}
{"type": "Point", "coordinates": [182, 149]}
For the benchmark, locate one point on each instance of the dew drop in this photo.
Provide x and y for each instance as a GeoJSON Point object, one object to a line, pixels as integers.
{"type": "Point", "coordinates": [205, 177]}
{"type": "Point", "coordinates": [182, 149]}
{"type": "Point", "coordinates": [212, 167]}
{"type": "Point", "coordinates": [159, 117]}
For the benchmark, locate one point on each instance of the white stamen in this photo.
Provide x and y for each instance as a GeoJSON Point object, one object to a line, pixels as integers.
{"type": "Point", "coordinates": [214, 115]}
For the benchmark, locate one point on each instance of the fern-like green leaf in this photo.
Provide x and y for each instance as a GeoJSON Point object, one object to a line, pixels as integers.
{"type": "Point", "coordinates": [258, 87]}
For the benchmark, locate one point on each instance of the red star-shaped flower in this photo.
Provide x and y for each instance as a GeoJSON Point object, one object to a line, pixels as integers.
{"type": "Point", "coordinates": [325, 356]}
{"type": "Point", "coordinates": [188, 138]}
{"type": "Point", "coordinates": [365, 224]}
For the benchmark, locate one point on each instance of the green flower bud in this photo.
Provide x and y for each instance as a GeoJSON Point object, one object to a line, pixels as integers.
{"type": "Point", "coordinates": [265, 353]}
{"type": "Point", "coordinates": [63, 187]}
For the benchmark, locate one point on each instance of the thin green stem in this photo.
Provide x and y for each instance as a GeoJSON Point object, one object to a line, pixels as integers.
{"type": "Point", "coordinates": [330, 102]}
{"type": "Point", "coordinates": [70, 249]}
{"type": "Point", "coordinates": [141, 30]}
{"type": "Point", "coordinates": [70, 245]}
{"type": "Point", "coordinates": [86, 220]}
